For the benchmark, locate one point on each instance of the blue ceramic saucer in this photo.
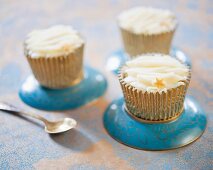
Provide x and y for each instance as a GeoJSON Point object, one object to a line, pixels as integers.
{"type": "Point", "coordinates": [119, 57]}
{"type": "Point", "coordinates": [184, 130]}
{"type": "Point", "coordinates": [90, 88]}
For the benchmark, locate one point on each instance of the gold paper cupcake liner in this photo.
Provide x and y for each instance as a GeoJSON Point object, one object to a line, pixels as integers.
{"type": "Point", "coordinates": [58, 72]}
{"type": "Point", "coordinates": [154, 107]}
{"type": "Point", "coordinates": [136, 44]}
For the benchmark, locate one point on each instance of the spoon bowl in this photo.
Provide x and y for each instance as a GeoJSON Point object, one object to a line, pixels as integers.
{"type": "Point", "coordinates": [60, 126]}
{"type": "Point", "coordinates": [50, 127]}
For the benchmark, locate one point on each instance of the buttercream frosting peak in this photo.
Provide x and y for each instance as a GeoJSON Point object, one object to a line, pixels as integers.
{"type": "Point", "coordinates": [147, 20]}
{"type": "Point", "coordinates": [54, 41]}
{"type": "Point", "coordinates": [155, 72]}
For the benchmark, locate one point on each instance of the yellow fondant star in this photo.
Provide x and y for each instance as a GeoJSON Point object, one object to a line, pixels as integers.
{"type": "Point", "coordinates": [159, 83]}
{"type": "Point", "coordinates": [66, 47]}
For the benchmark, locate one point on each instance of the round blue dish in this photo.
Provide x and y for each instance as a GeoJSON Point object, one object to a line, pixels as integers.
{"type": "Point", "coordinates": [90, 88]}
{"type": "Point", "coordinates": [119, 57]}
{"type": "Point", "coordinates": [163, 136]}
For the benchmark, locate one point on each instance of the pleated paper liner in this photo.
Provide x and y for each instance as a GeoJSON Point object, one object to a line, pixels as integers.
{"type": "Point", "coordinates": [154, 107]}
{"type": "Point", "coordinates": [135, 44]}
{"type": "Point", "coordinates": [58, 72]}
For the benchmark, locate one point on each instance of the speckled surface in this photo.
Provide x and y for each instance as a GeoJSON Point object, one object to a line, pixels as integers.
{"type": "Point", "coordinates": [24, 144]}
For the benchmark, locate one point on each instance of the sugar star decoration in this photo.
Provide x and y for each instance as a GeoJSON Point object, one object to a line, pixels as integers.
{"type": "Point", "coordinates": [66, 47]}
{"type": "Point", "coordinates": [159, 83]}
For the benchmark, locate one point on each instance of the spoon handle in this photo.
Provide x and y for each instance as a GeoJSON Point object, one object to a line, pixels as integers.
{"type": "Point", "coordinates": [13, 109]}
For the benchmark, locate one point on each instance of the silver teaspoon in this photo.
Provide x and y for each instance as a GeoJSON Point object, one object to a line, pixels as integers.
{"type": "Point", "coordinates": [50, 127]}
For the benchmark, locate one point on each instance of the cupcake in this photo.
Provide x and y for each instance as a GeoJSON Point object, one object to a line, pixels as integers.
{"type": "Point", "coordinates": [147, 30]}
{"type": "Point", "coordinates": [55, 56]}
{"type": "Point", "coordinates": [154, 87]}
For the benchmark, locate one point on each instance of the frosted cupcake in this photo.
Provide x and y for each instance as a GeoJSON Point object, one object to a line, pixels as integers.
{"type": "Point", "coordinates": [147, 30]}
{"type": "Point", "coordinates": [55, 55]}
{"type": "Point", "coordinates": [154, 87]}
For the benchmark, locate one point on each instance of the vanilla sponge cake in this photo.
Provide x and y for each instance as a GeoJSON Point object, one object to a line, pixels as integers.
{"type": "Point", "coordinates": [154, 87]}
{"type": "Point", "coordinates": [55, 55]}
{"type": "Point", "coordinates": [147, 30]}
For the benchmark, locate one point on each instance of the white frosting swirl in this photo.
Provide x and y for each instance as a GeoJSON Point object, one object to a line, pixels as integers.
{"type": "Point", "coordinates": [155, 72]}
{"type": "Point", "coordinates": [54, 41]}
{"type": "Point", "coordinates": [147, 20]}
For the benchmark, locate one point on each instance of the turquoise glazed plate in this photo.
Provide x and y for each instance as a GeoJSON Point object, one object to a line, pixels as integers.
{"type": "Point", "coordinates": [90, 88]}
{"type": "Point", "coordinates": [119, 57]}
{"type": "Point", "coordinates": [163, 136]}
